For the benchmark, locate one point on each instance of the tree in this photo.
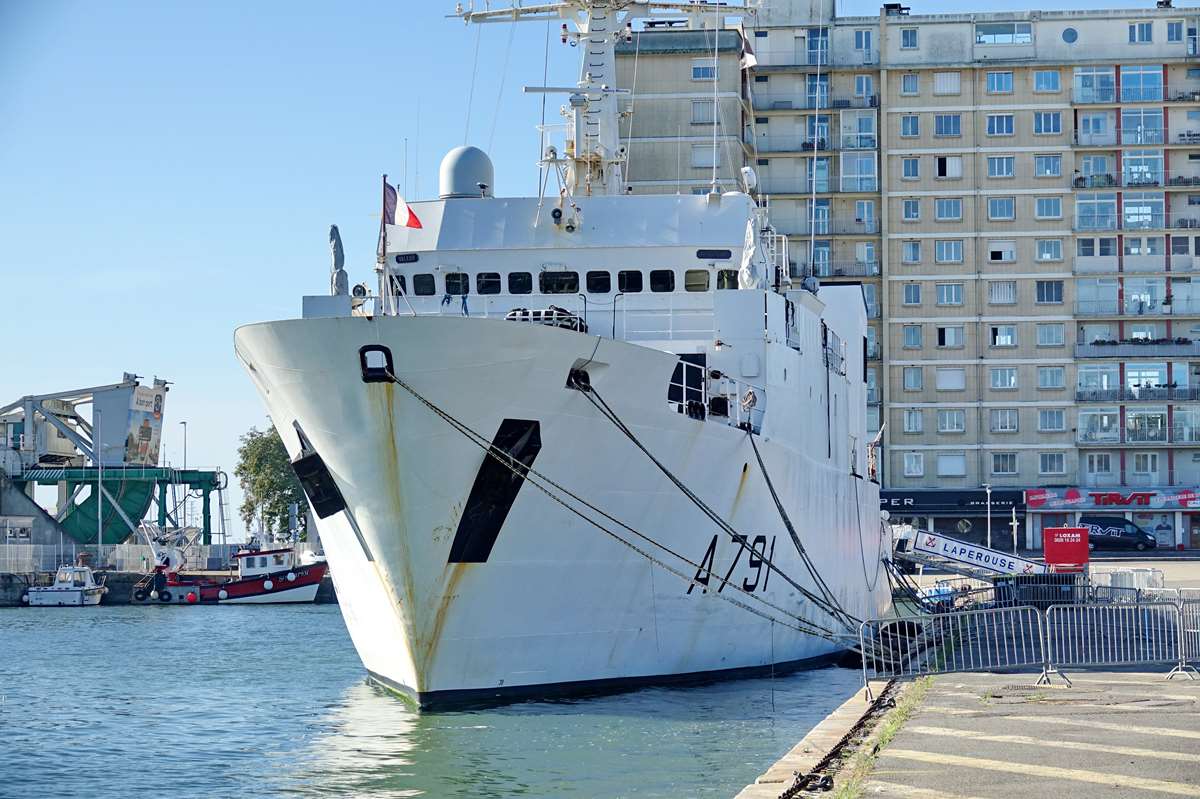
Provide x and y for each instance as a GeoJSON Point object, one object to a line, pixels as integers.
{"type": "Point", "coordinates": [268, 483]}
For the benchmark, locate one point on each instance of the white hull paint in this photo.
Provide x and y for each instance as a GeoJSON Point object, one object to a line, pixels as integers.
{"type": "Point", "coordinates": [558, 601]}
{"type": "Point", "coordinates": [68, 597]}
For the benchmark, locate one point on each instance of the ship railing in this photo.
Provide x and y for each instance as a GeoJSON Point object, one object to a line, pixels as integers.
{"type": "Point", "coordinates": [736, 403]}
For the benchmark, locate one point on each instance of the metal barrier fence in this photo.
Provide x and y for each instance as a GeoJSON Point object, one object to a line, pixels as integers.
{"type": "Point", "coordinates": [1116, 634]}
{"type": "Point", "coordinates": [971, 640]}
{"type": "Point", "coordinates": [28, 558]}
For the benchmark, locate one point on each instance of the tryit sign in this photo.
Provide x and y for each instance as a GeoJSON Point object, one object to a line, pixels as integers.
{"type": "Point", "coordinates": [977, 556]}
{"type": "Point", "coordinates": [1065, 546]}
{"type": "Point", "coordinates": [1116, 498]}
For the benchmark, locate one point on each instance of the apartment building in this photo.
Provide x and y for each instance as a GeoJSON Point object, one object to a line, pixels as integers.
{"type": "Point", "coordinates": [1019, 195]}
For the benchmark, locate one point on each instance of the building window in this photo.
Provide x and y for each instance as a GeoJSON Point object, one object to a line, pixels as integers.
{"type": "Point", "coordinates": [952, 420]}
{"type": "Point", "coordinates": [1047, 166]}
{"type": "Point", "coordinates": [914, 464]}
{"type": "Point", "coordinates": [1000, 125]}
{"type": "Point", "coordinates": [762, 78]}
{"type": "Point", "coordinates": [912, 337]}
{"type": "Point", "coordinates": [914, 378]}
{"type": "Point", "coordinates": [1003, 33]}
{"type": "Point", "coordinates": [912, 293]}
{"type": "Point", "coordinates": [1002, 208]}
{"type": "Point", "coordinates": [1004, 378]}
{"type": "Point", "coordinates": [704, 69]}
{"type": "Point", "coordinates": [910, 83]}
{"type": "Point", "coordinates": [947, 82]}
{"type": "Point", "coordinates": [950, 337]}
{"type": "Point", "coordinates": [1046, 80]}
{"type": "Point", "coordinates": [1004, 335]}
{"type": "Point", "coordinates": [864, 86]}
{"type": "Point", "coordinates": [910, 252]}
{"type": "Point", "coordinates": [1004, 420]}
{"type": "Point", "coordinates": [1004, 463]}
{"type": "Point", "coordinates": [1051, 377]}
{"type": "Point", "coordinates": [999, 83]}
{"type": "Point", "coordinates": [1052, 420]}
{"type": "Point", "coordinates": [948, 251]}
{"type": "Point", "coordinates": [1047, 122]}
{"type": "Point", "coordinates": [949, 293]}
{"type": "Point", "coordinates": [908, 38]}
{"type": "Point", "coordinates": [914, 420]}
{"type": "Point", "coordinates": [1174, 31]}
{"type": "Point", "coordinates": [1099, 463]}
{"type": "Point", "coordinates": [1002, 251]}
{"type": "Point", "coordinates": [1141, 33]}
{"type": "Point", "coordinates": [1002, 166]}
{"type": "Point", "coordinates": [862, 39]}
{"type": "Point", "coordinates": [910, 125]}
{"type": "Point", "coordinates": [1048, 208]}
{"type": "Point", "coordinates": [912, 210]}
{"type": "Point", "coordinates": [705, 156]}
{"type": "Point", "coordinates": [1002, 292]}
{"type": "Point", "coordinates": [1050, 291]}
{"type": "Point", "coordinates": [1049, 250]}
{"type": "Point", "coordinates": [702, 112]}
{"type": "Point", "coordinates": [949, 167]}
{"type": "Point", "coordinates": [1052, 463]}
{"type": "Point", "coordinates": [950, 379]}
{"type": "Point", "coordinates": [947, 125]}
{"type": "Point", "coordinates": [910, 168]}
{"type": "Point", "coordinates": [1052, 334]}
{"type": "Point", "coordinates": [951, 465]}
{"type": "Point", "coordinates": [948, 209]}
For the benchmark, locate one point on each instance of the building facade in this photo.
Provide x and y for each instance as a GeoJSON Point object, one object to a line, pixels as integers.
{"type": "Point", "coordinates": [1019, 195]}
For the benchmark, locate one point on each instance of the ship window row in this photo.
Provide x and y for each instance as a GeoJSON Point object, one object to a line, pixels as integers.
{"type": "Point", "coordinates": [598, 281]}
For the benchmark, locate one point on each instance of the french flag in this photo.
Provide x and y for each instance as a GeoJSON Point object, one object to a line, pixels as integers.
{"type": "Point", "coordinates": [395, 207]}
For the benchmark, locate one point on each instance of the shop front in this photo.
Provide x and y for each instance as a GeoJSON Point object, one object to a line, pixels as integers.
{"type": "Point", "coordinates": [961, 514]}
{"type": "Point", "coordinates": [1172, 515]}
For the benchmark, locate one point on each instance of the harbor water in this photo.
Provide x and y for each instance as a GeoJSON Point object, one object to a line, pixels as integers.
{"type": "Point", "coordinates": [272, 701]}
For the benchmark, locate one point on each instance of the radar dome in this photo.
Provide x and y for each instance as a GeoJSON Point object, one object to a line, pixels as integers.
{"type": "Point", "coordinates": [465, 172]}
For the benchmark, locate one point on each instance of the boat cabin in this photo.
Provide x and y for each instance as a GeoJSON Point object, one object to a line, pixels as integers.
{"type": "Point", "coordinates": [73, 577]}
{"type": "Point", "coordinates": [256, 564]}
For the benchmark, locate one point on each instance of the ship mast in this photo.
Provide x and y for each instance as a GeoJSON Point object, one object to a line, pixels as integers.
{"type": "Point", "coordinates": [594, 159]}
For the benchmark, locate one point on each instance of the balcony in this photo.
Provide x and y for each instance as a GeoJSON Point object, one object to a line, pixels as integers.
{"type": "Point", "coordinates": [1107, 95]}
{"type": "Point", "coordinates": [873, 351]}
{"type": "Point", "coordinates": [1149, 348]}
{"type": "Point", "coordinates": [859, 183]}
{"type": "Point", "coordinates": [1110, 396]}
{"type": "Point", "coordinates": [1139, 307]}
{"type": "Point", "coordinates": [813, 102]}
{"type": "Point", "coordinates": [851, 184]}
{"type": "Point", "coordinates": [859, 141]}
{"type": "Point", "coordinates": [807, 144]}
{"type": "Point", "coordinates": [836, 269]}
{"type": "Point", "coordinates": [1143, 136]}
{"type": "Point", "coordinates": [836, 227]}
{"type": "Point", "coordinates": [1107, 138]}
{"type": "Point", "coordinates": [1098, 264]}
{"type": "Point", "coordinates": [1089, 95]}
{"type": "Point", "coordinates": [1137, 221]}
{"type": "Point", "coordinates": [1103, 181]}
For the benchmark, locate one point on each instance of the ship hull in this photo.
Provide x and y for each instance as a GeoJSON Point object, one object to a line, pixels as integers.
{"type": "Point", "coordinates": [545, 603]}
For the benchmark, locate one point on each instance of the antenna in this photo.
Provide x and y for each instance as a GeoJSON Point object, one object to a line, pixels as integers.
{"type": "Point", "coordinates": [716, 67]}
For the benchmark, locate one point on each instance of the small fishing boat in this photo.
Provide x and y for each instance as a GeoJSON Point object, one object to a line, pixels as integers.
{"type": "Point", "coordinates": [270, 576]}
{"type": "Point", "coordinates": [73, 586]}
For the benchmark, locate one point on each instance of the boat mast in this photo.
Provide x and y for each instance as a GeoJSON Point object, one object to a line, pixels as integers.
{"type": "Point", "coordinates": [594, 160]}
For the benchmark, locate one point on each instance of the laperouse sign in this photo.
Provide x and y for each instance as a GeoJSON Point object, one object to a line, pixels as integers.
{"type": "Point", "coordinates": [976, 556]}
{"type": "Point", "coordinates": [1141, 500]}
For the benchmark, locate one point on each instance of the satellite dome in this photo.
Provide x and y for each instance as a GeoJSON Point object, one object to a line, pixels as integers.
{"type": "Point", "coordinates": [465, 172]}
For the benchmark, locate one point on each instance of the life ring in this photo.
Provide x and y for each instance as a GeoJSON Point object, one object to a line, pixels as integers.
{"type": "Point", "coordinates": [164, 596]}
{"type": "Point", "coordinates": [749, 400]}
{"type": "Point", "coordinates": [140, 595]}
{"type": "Point", "coordinates": [268, 585]}
{"type": "Point", "coordinates": [222, 594]}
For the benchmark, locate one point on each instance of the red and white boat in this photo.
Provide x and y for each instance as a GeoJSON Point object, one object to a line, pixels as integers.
{"type": "Point", "coordinates": [270, 576]}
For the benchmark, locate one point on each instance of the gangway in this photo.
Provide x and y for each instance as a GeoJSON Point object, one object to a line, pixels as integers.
{"type": "Point", "coordinates": [970, 560]}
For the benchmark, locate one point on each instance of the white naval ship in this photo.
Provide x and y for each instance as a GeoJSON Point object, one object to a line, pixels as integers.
{"type": "Point", "coordinates": [586, 440]}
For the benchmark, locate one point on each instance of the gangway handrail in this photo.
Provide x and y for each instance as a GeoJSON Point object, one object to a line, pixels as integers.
{"type": "Point", "coordinates": [961, 557]}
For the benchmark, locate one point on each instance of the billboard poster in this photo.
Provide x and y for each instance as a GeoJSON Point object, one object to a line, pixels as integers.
{"type": "Point", "coordinates": [144, 432]}
{"type": "Point", "coordinates": [1065, 546]}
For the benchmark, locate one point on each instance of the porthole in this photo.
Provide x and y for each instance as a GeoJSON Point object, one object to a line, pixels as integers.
{"type": "Point", "coordinates": [1070, 35]}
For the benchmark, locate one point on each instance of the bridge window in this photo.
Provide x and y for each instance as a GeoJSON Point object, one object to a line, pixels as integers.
{"type": "Point", "coordinates": [520, 283]}
{"type": "Point", "coordinates": [662, 280]}
{"type": "Point", "coordinates": [558, 282]}
{"type": "Point", "coordinates": [487, 283]}
{"type": "Point", "coordinates": [629, 281]}
{"type": "Point", "coordinates": [714, 255]}
{"type": "Point", "coordinates": [727, 279]}
{"type": "Point", "coordinates": [423, 285]}
{"type": "Point", "coordinates": [599, 282]}
{"type": "Point", "coordinates": [696, 280]}
{"type": "Point", "coordinates": [458, 283]}
{"type": "Point", "coordinates": [399, 285]}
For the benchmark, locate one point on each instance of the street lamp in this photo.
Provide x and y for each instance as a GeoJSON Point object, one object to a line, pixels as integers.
{"type": "Point", "coordinates": [988, 488]}
{"type": "Point", "coordinates": [185, 488]}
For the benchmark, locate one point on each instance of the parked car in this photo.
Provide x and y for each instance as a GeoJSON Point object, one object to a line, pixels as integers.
{"type": "Point", "coordinates": [1116, 532]}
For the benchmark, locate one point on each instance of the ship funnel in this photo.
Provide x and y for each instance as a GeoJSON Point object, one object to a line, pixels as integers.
{"type": "Point", "coordinates": [465, 172]}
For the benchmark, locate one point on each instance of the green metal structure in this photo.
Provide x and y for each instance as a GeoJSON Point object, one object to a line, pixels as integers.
{"type": "Point", "coordinates": [130, 490]}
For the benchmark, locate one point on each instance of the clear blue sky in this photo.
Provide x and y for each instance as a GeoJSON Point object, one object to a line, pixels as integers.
{"type": "Point", "coordinates": [169, 170]}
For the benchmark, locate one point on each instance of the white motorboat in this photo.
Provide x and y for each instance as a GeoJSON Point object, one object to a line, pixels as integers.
{"type": "Point", "coordinates": [586, 440]}
{"type": "Point", "coordinates": [73, 586]}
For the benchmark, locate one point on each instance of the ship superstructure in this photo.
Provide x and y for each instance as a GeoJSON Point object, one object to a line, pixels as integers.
{"type": "Point", "coordinates": [582, 440]}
